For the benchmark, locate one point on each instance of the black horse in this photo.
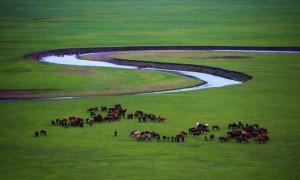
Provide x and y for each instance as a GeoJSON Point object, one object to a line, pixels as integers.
{"type": "Point", "coordinates": [43, 132]}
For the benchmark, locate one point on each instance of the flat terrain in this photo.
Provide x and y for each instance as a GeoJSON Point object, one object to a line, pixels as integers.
{"type": "Point", "coordinates": [271, 99]}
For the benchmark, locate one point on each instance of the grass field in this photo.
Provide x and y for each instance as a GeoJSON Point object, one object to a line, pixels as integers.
{"type": "Point", "coordinates": [271, 99]}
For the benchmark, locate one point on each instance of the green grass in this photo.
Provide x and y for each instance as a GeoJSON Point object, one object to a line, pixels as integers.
{"type": "Point", "coordinates": [270, 99]}
{"type": "Point", "coordinates": [55, 80]}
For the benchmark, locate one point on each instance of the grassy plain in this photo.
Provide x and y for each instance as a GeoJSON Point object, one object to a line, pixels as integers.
{"type": "Point", "coordinates": [270, 99]}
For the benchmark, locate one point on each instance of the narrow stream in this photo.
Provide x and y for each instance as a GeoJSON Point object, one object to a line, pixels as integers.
{"type": "Point", "coordinates": [211, 81]}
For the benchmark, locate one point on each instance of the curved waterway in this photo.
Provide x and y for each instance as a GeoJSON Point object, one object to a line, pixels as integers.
{"type": "Point", "coordinates": [212, 80]}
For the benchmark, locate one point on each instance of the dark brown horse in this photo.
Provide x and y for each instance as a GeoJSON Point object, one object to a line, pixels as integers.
{"type": "Point", "coordinates": [43, 132]}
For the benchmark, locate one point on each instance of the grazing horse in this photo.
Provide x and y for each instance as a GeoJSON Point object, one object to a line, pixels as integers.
{"type": "Point", "coordinates": [191, 130]}
{"type": "Point", "coordinates": [64, 123]}
{"type": "Point", "coordinates": [130, 116]}
{"type": "Point", "coordinates": [43, 132]}
{"type": "Point", "coordinates": [36, 133]}
{"type": "Point", "coordinates": [92, 114]}
{"type": "Point", "coordinates": [236, 125]}
{"type": "Point", "coordinates": [179, 137]}
{"type": "Point", "coordinates": [93, 109]}
{"type": "Point", "coordinates": [155, 135]}
{"type": "Point", "coordinates": [262, 138]}
{"type": "Point", "coordinates": [223, 139]}
{"type": "Point", "coordinates": [134, 133]}
{"type": "Point", "coordinates": [103, 108]}
{"type": "Point", "coordinates": [196, 133]}
{"type": "Point", "coordinates": [183, 133]}
{"type": "Point", "coordinates": [241, 139]}
{"type": "Point", "coordinates": [215, 127]}
{"type": "Point", "coordinates": [161, 119]}
{"type": "Point", "coordinates": [81, 124]}
{"type": "Point", "coordinates": [123, 112]}
{"type": "Point", "coordinates": [91, 122]}
{"type": "Point", "coordinates": [98, 118]}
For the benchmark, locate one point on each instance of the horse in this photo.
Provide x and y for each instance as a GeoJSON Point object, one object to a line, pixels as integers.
{"type": "Point", "coordinates": [183, 133]}
{"type": "Point", "coordinates": [215, 127]}
{"type": "Point", "coordinates": [36, 133]}
{"type": "Point", "coordinates": [98, 118]}
{"type": "Point", "coordinates": [134, 133]}
{"type": "Point", "coordinates": [262, 138]}
{"type": "Point", "coordinates": [130, 116]}
{"type": "Point", "coordinates": [103, 108]}
{"type": "Point", "coordinates": [223, 139]}
{"type": "Point", "coordinates": [93, 109]}
{"type": "Point", "coordinates": [191, 130]}
{"type": "Point", "coordinates": [161, 119]}
{"type": "Point", "coordinates": [179, 137]}
{"type": "Point", "coordinates": [241, 139]}
{"type": "Point", "coordinates": [91, 122]}
{"type": "Point", "coordinates": [43, 132]}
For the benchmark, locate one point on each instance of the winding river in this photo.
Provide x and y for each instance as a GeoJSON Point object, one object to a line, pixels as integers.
{"type": "Point", "coordinates": [210, 80]}
{"type": "Point", "coordinates": [213, 77]}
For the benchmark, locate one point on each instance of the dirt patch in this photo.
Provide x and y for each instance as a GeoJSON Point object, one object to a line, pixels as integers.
{"type": "Point", "coordinates": [165, 52]}
{"type": "Point", "coordinates": [12, 92]}
{"type": "Point", "coordinates": [78, 51]}
{"type": "Point", "coordinates": [108, 57]}
{"type": "Point", "coordinates": [233, 75]}
{"type": "Point", "coordinates": [78, 71]}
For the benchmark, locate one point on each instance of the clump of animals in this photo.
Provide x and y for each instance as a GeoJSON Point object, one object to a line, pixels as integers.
{"type": "Point", "coordinates": [152, 135]}
{"type": "Point", "coordinates": [241, 133]}
{"type": "Point", "coordinates": [106, 114]}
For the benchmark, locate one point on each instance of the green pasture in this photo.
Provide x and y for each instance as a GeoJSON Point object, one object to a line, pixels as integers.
{"type": "Point", "coordinates": [271, 98]}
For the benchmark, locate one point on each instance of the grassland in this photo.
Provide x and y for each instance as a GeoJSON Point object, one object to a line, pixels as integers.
{"type": "Point", "coordinates": [270, 99]}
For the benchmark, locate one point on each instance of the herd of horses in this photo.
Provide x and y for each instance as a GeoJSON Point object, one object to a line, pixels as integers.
{"type": "Point", "coordinates": [242, 133]}
{"type": "Point", "coordinates": [238, 131]}
{"type": "Point", "coordinates": [150, 135]}
{"type": "Point", "coordinates": [107, 114]}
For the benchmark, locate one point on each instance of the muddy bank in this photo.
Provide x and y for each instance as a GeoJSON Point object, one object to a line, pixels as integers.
{"type": "Point", "coordinates": [77, 51]}
{"type": "Point", "coordinates": [234, 75]}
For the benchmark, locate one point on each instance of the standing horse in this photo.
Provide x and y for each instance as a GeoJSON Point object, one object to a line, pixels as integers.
{"type": "Point", "coordinates": [43, 132]}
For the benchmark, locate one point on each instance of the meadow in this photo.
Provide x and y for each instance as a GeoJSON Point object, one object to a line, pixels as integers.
{"type": "Point", "coordinates": [271, 98]}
